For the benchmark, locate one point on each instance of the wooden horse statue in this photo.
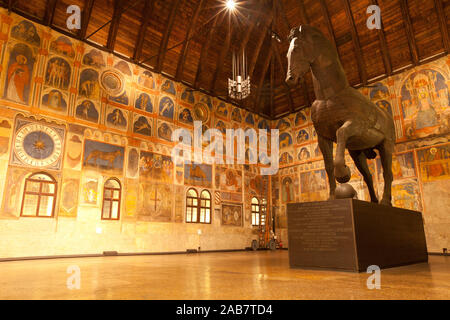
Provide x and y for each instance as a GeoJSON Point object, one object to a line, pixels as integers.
{"type": "Point", "coordinates": [341, 114]}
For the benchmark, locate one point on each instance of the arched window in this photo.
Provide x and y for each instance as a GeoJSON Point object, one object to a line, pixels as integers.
{"type": "Point", "coordinates": [112, 193]}
{"type": "Point", "coordinates": [39, 196]}
{"type": "Point", "coordinates": [256, 214]}
{"type": "Point", "coordinates": [205, 207]}
{"type": "Point", "coordinates": [198, 210]}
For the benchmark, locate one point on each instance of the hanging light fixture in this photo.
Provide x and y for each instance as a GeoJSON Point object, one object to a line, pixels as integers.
{"type": "Point", "coordinates": [239, 85]}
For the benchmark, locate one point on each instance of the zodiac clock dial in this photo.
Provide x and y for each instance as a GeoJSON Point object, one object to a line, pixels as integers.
{"type": "Point", "coordinates": [38, 145]}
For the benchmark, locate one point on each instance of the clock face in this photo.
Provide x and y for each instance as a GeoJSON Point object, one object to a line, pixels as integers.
{"type": "Point", "coordinates": [38, 145]}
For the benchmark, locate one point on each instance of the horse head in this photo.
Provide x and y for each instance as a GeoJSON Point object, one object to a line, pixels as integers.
{"type": "Point", "coordinates": [301, 53]}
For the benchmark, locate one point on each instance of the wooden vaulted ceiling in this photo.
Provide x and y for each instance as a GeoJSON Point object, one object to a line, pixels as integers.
{"type": "Point", "coordinates": [192, 40]}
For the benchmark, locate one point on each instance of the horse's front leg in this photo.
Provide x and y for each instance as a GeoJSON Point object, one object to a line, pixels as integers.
{"type": "Point", "coordinates": [341, 171]}
{"type": "Point", "coordinates": [326, 147]}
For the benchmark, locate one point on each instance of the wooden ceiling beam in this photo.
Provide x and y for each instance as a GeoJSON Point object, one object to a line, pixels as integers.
{"type": "Point", "coordinates": [49, 12]}
{"type": "Point", "coordinates": [443, 24]}
{"type": "Point", "coordinates": [148, 13]}
{"type": "Point", "coordinates": [259, 46]}
{"type": "Point", "coordinates": [112, 34]}
{"type": "Point", "coordinates": [204, 52]}
{"type": "Point", "coordinates": [326, 16]}
{"type": "Point", "coordinates": [384, 47]}
{"type": "Point", "coordinates": [409, 32]}
{"type": "Point", "coordinates": [165, 39]}
{"type": "Point", "coordinates": [265, 68]}
{"type": "Point", "coordinates": [222, 56]}
{"type": "Point", "coordinates": [189, 34]}
{"type": "Point", "coordinates": [87, 11]}
{"type": "Point", "coordinates": [303, 14]}
{"type": "Point", "coordinates": [356, 43]}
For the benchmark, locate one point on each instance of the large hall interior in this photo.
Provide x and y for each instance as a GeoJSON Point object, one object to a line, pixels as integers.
{"type": "Point", "coordinates": [159, 149]}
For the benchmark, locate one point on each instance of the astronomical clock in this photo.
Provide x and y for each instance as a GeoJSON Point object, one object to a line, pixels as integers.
{"type": "Point", "coordinates": [37, 145]}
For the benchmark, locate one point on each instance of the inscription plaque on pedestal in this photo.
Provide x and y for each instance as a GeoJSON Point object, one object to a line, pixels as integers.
{"type": "Point", "coordinates": [352, 235]}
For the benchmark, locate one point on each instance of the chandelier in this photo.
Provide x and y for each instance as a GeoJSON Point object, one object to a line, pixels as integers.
{"type": "Point", "coordinates": [239, 85]}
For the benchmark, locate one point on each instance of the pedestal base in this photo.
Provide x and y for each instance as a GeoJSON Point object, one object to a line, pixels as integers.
{"type": "Point", "coordinates": [352, 235]}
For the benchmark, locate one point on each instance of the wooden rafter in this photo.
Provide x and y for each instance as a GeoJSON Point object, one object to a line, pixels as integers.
{"type": "Point", "coordinates": [222, 56]}
{"type": "Point", "coordinates": [409, 32]}
{"type": "Point", "coordinates": [112, 34]}
{"type": "Point", "coordinates": [356, 44]}
{"type": "Point", "coordinates": [274, 46]}
{"type": "Point", "coordinates": [148, 9]}
{"type": "Point", "coordinates": [204, 52]}
{"type": "Point", "coordinates": [326, 16]}
{"type": "Point", "coordinates": [189, 34]}
{"type": "Point", "coordinates": [384, 48]}
{"type": "Point", "coordinates": [443, 24]}
{"type": "Point", "coordinates": [87, 11]}
{"type": "Point", "coordinates": [265, 68]}
{"type": "Point", "coordinates": [259, 46]}
{"type": "Point", "coordinates": [165, 39]}
{"type": "Point", "coordinates": [303, 14]}
{"type": "Point", "coordinates": [49, 12]}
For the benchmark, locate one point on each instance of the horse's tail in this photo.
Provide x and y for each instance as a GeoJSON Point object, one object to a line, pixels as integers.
{"type": "Point", "coordinates": [370, 153]}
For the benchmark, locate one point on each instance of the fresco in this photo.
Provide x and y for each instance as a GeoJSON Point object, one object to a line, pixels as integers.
{"type": "Point", "coordinates": [156, 167]}
{"type": "Point", "coordinates": [232, 215]}
{"type": "Point", "coordinates": [133, 163]}
{"type": "Point", "coordinates": [144, 103]}
{"type": "Point", "coordinates": [94, 58]}
{"type": "Point", "coordinates": [168, 87]}
{"type": "Point", "coordinates": [300, 119]}
{"type": "Point", "coordinates": [166, 107]}
{"type": "Point", "coordinates": [142, 125]}
{"type": "Point", "coordinates": [69, 201]}
{"type": "Point", "coordinates": [283, 125]}
{"type": "Point", "coordinates": [26, 31]}
{"type": "Point", "coordinates": [198, 175]}
{"type": "Point", "coordinates": [62, 46]}
{"type": "Point", "coordinates": [88, 86]}
{"type": "Point", "coordinates": [201, 112]}
{"type": "Point", "coordinates": [302, 136]}
{"type": "Point", "coordinates": [228, 179]}
{"type": "Point", "coordinates": [434, 163]}
{"type": "Point", "coordinates": [424, 98]}
{"type": "Point", "coordinates": [206, 100]}
{"type": "Point", "coordinates": [188, 96]}
{"type": "Point", "coordinates": [186, 116]}
{"type": "Point", "coordinates": [250, 119]}
{"type": "Point", "coordinates": [74, 151]}
{"type": "Point", "coordinates": [165, 131]}
{"type": "Point", "coordinates": [123, 67]}
{"type": "Point", "coordinates": [155, 202]}
{"type": "Point", "coordinates": [55, 101]}
{"type": "Point", "coordinates": [236, 115]}
{"type": "Point", "coordinates": [222, 110]}
{"type": "Point", "coordinates": [87, 111]}
{"type": "Point", "coordinates": [288, 191]}
{"type": "Point", "coordinates": [58, 73]}
{"type": "Point", "coordinates": [406, 195]}
{"type": "Point", "coordinates": [122, 99]}
{"type": "Point", "coordinates": [304, 154]}
{"type": "Point", "coordinates": [285, 140]}
{"type": "Point", "coordinates": [19, 74]}
{"type": "Point", "coordinates": [146, 80]}
{"type": "Point", "coordinates": [103, 157]}
{"type": "Point", "coordinates": [402, 166]}
{"type": "Point", "coordinates": [116, 118]}
{"type": "Point", "coordinates": [286, 158]}
{"type": "Point", "coordinates": [5, 133]}
{"type": "Point", "coordinates": [90, 191]}
{"type": "Point", "coordinates": [314, 186]}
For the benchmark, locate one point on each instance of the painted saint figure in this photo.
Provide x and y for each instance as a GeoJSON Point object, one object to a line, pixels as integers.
{"type": "Point", "coordinates": [18, 79]}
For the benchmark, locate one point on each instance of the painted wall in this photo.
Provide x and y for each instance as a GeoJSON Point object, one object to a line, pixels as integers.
{"type": "Point", "coordinates": [113, 120]}
{"type": "Point", "coordinates": [418, 99]}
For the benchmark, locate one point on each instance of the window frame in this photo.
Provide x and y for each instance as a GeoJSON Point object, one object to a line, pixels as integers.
{"type": "Point", "coordinates": [39, 194]}
{"type": "Point", "coordinates": [256, 213]}
{"type": "Point", "coordinates": [198, 208]}
{"type": "Point", "coordinates": [111, 200]}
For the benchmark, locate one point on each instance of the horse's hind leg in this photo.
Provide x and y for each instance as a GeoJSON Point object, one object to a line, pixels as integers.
{"type": "Point", "coordinates": [326, 147]}
{"type": "Point", "coordinates": [386, 149]}
{"type": "Point", "coordinates": [361, 163]}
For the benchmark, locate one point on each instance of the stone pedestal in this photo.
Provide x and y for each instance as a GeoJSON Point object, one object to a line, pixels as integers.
{"type": "Point", "coordinates": [351, 235]}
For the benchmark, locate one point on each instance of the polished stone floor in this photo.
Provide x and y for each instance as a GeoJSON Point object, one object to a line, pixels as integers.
{"type": "Point", "coordinates": [237, 275]}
